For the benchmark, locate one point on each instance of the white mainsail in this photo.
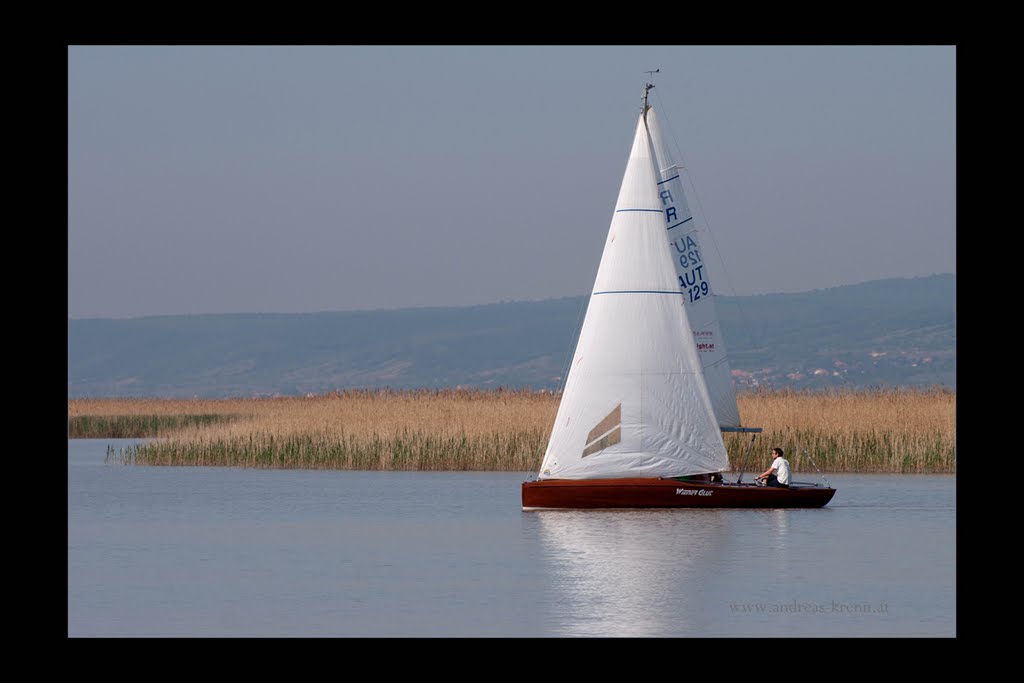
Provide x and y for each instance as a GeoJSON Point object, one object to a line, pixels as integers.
{"type": "Point", "coordinates": [694, 281]}
{"type": "Point", "coordinates": [635, 403]}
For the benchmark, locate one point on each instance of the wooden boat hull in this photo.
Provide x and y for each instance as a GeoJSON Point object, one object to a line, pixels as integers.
{"type": "Point", "coordinates": [668, 493]}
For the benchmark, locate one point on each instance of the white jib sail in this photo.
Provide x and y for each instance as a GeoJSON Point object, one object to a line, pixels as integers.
{"type": "Point", "coordinates": [635, 403]}
{"type": "Point", "coordinates": [694, 281]}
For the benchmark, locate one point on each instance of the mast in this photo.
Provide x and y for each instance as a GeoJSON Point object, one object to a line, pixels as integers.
{"type": "Point", "coordinates": [648, 87]}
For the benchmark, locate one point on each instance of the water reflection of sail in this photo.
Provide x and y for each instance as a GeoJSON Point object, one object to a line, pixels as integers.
{"type": "Point", "coordinates": [630, 573]}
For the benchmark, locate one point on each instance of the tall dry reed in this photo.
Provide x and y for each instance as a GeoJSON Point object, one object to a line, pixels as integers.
{"type": "Point", "coordinates": [848, 431]}
{"type": "Point", "coordinates": [882, 430]}
{"type": "Point", "coordinates": [135, 426]}
{"type": "Point", "coordinates": [367, 429]}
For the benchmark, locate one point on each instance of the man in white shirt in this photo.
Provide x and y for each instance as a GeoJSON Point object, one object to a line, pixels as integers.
{"type": "Point", "coordinates": [778, 473]}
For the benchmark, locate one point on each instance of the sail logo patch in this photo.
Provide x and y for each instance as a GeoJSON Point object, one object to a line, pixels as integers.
{"type": "Point", "coordinates": [705, 340]}
{"type": "Point", "coordinates": [608, 432]}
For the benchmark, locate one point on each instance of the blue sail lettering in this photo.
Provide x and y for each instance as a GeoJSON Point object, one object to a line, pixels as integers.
{"type": "Point", "coordinates": [670, 214]}
{"type": "Point", "coordinates": [686, 242]}
{"type": "Point", "coordinates": [696, 292]}
{"type": "Point", "coordinates": [692, 277]}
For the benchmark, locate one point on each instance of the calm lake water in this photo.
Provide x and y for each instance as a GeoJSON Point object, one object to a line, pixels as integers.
{"type": "Point", "coordinates": [164, 551]}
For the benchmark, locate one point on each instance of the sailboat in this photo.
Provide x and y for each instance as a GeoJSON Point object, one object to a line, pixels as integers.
{"type": "Point", "coordinates": [648, 392]}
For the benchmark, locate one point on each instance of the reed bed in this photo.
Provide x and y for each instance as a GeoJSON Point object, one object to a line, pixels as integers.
{"type": "Point", "coordinates": [366, 429]}
{"type": "Point", "coordinates": [882, 430]}
{"type": "Point", "coordinates": [135, 426]}
{"type": "Point", "coordinates": [111, 407]}
{"type": "Point", "coordinates": [850, 431]}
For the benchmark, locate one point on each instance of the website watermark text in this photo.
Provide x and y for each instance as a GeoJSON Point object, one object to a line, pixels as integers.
{"type": "Point", "coordinates": [803, 607]}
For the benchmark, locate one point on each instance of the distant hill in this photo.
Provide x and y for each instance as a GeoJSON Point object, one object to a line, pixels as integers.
{"type": "Point", "coordinates": [881, 333]}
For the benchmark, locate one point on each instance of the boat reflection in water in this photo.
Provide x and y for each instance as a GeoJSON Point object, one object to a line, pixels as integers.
{"type": "Point", "coordinates": [634, 573]}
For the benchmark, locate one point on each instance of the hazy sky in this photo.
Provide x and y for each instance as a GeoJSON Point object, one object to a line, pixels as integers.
{"type": "Point", "coordinates": [293, 179]}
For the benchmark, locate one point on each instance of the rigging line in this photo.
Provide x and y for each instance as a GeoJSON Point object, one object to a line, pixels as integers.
{"type": "Point", "coordinates": [816, 467]}
{"type": "Point", "coordinates": [746, 458]}
{"type": "Point", "coordinates": [717, 362]}
{"type": "Point", "coordinates": [573, 341]}
{"type": "Point", "coordinates": [577, 329]}
{"type": "Point", "coordinates": [700, 207]}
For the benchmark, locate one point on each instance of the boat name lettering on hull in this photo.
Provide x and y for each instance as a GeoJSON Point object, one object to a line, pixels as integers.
{"type": "Point", "coordinates": [692, 492]}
